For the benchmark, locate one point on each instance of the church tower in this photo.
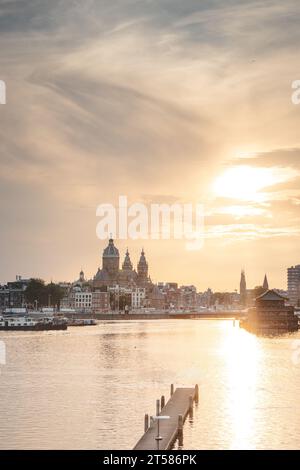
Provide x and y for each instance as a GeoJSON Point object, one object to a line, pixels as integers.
{"type": "Point", "coordinates": [127, 264]}
{"type": "Point", "coordinates": [111, 260]}
{"type": "Point", "coordinates": [243, 289]}
{"type": "Point", "coordinates": [142, 269]}
{"type": "Point", "coordinates": [266, 284]}
{"type": "Point", "coordinates": [81, 276]}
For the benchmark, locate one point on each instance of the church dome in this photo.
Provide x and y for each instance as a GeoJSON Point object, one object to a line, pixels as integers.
{"type": "Point", "coordinates": [111, 251]}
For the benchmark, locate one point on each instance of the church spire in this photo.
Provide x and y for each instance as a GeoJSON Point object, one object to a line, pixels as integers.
{"type": "Point", "coordinates": [266, 284]}
{"type": "Point", "coordinates": [127, 264]}
{"type": "Point", "coordinates": [243, 289]}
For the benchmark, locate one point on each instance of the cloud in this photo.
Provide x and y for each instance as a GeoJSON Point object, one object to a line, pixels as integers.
{"type": "Point", "coordinates": [144, 98]}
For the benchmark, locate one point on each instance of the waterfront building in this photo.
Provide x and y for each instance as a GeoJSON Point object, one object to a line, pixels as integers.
{"type": "Point", "coordinates": [175, 297]}
{"type": "Point", "coordinates": [271, 315]}
{"type": "Point", "coordinates": [120, 298]}
{"type": "Point", "coordinates": [12, 295]}
{"type": "Point", "coordinates": [83, 301]}
{"type": "Point", "coordinates": [100, 302]}
{"type": "Point", "coordinates": [138, 297]}
{"type": "Point", "coordinates": [188, 297]}
{"type": "Point", "coordinates": [293, 274]}
{"type": "Point", "coordinates": [172, 295]}
{"type": "Point", "coordinates": [205, 298]}
{"type": "Point", "coordinates": [155, 298]}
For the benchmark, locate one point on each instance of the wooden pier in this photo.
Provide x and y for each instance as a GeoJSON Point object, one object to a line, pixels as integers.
{"type": "Point", "coordinates": [162, 430]}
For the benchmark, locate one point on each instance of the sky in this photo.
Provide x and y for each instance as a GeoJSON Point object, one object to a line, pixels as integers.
{"type": "Point", "coordinates": [162, 101]}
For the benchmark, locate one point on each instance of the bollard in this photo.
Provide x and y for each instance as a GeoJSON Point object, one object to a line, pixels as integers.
{"type": "Point", "coordinates": [191, 410]}
{"type": "Point", "coordinates": [146, 423]}
{"type": "Point", "coordinates": [191, 401]}
{"type": "Point", "coordinates": [196, 393]}
{"type": "Point", "coordinates": [157, 407]}
{"type": "Point", "coordinates": [162, 402]}
{"type": "Point", "coordinates": [180, 430]}
{"type": "Point", "coordinates": [172, 389]}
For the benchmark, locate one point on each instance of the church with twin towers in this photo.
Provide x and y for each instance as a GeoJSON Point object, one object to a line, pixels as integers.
{"type": "Point", "coordinates": [110, 273]}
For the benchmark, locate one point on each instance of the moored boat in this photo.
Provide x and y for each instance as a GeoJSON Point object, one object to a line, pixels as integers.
{"type": "Point", "coordinates": [30, 323]}
{"type": "Point", "coordinates": [81, 322]}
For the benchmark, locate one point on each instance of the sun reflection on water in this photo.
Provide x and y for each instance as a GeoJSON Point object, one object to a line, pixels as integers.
{"type": "Point", "coordinates": [241, 354]}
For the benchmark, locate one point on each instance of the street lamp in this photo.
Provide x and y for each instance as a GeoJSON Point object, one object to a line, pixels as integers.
{"type": "Point", "coordinates": [158, 419]}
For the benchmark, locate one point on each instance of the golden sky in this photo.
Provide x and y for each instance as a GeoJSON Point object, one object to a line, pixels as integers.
{"type": "Point", "coordinates": [162, 101]}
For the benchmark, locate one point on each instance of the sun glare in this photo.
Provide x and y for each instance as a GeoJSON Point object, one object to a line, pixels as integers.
{"type": "Point", "coordinates": [242, 358]}
{"type": "Point", "coordinates": [246, 182]}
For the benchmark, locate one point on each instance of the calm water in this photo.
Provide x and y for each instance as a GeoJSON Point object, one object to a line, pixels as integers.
{"type": "Point", "coordinates": [90, 387]}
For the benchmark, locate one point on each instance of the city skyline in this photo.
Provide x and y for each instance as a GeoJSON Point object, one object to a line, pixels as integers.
{"type": "Point", "coordinates": [126, 260]}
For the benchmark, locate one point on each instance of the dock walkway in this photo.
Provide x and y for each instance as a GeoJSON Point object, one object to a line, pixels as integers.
{"type": "Point", "coordinates": [177, 409]}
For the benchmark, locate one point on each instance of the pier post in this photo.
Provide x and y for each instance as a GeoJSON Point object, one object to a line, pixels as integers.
{"type": "Point", "coordinates": [146, 423]}
{"type": "Point", "coordinates": [157, 407]}
{"type": "Point", "coordinates": [172, 389]}
{"type": "Point", "coordinates": [196, 393]}
{"type": "Point", "coordinates": [180, 430]}
{"type": "Point", "coordinates": [162, 402]}
{"type": "Point", "coordinates": [191, 402]}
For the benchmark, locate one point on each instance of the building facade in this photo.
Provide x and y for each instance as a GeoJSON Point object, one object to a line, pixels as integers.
{"type": "Point", "coordinates": [100, 302]}
{"type": "Point", "coordinates": [138, 297]}
{"type": "Point", "coordinates": [12, 295]}
{"type": "Point", "coordinates": [293, 274]}
{"type": "Point", "coordinates": [270, 315]}
{"type": "Point", "coordinates": [83, 301]}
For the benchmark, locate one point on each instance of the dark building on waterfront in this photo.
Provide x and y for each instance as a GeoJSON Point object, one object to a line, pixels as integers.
{"type": "Point", "coordinates": [271, 315]}
{"type": "Point", "coordinates": [12, 295]}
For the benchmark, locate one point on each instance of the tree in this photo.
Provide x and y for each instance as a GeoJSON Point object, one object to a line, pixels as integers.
{"type": "Point", "coordinates": [258, 290]}
{"type": "Point", "coordinates": [222, 298]}
{"type": "Point", "coordinates": [54, 294]}
{"type": "Point", "coordinates": [36, 291]}
{"type": "Point", "coordinates": [50, 294]}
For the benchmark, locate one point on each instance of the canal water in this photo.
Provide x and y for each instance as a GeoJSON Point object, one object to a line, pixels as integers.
{"type": "Point", "coordinates": [89, 387]}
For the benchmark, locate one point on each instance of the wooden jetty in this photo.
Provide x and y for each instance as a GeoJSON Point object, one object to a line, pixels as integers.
{"type": "Point", "coordinates": [162, 430]}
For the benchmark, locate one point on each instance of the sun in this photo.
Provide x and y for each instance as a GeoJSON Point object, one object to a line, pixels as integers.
{"type": "Point", "coordinates": [245, 182]}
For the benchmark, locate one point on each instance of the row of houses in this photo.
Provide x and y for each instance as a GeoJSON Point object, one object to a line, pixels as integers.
{"type": "Point", "coordinates": [100, 301]}
{"type": "Point", "coordinates": [161, 296]}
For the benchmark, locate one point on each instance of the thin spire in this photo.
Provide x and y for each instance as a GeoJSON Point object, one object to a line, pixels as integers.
{"type": "Point", "coordinates": [266, 283]}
